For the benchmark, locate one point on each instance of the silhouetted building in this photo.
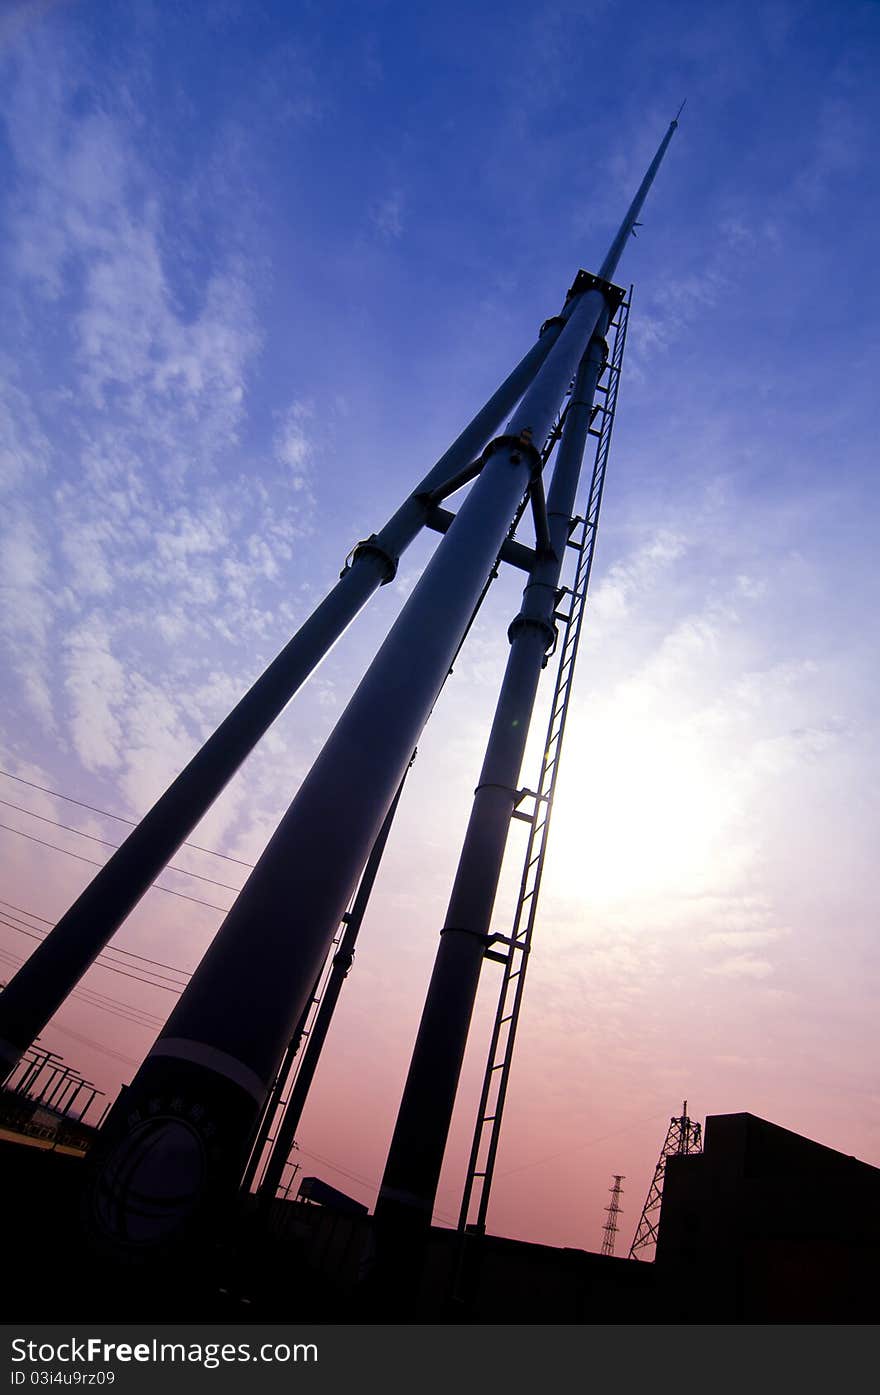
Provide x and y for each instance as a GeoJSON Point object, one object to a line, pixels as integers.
{"type": "Point", "coordinates": [767, 1226]}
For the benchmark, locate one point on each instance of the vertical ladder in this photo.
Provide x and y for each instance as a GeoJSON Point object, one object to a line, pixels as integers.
{"type": "Point", "coordinates": [517, 947]}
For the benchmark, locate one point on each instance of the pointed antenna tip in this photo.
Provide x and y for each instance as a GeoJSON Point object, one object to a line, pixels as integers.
{"type": "Point", "coordinates": [678, 113]}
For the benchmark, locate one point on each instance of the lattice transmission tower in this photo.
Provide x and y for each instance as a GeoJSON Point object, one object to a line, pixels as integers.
{"type": "Point", "coordinates": [683, 1136]}
{"type": "Point", "coordinates": [614, 1210]}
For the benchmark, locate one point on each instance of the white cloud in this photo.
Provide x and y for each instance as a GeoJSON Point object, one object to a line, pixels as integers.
{"type": "Point", "coordinates": [26, 609]}
{"type": "Point", "coordinates": [96, 685]}
{"type": "Point", "coordinates": [611, 599]}
{"type": "Point", "coordinates": [24, 449]}
{"type": "Point", "coordinates": [742, 966]}
{"type": "Point", "coordinates": [292, 444]}
{"type": "Point", "coordinates": [386, 216]}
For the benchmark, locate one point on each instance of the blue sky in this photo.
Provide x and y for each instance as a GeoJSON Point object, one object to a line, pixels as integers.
{"type": "Point", "coordinates": [261, 262]}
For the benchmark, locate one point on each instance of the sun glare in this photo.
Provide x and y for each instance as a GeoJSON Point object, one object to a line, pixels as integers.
{"type": "Point", "coordinates": [647, 809]}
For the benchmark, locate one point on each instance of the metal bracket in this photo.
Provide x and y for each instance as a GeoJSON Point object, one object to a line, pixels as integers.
{"type": "Point", "coordinates": [586, 281]}
{"type": "Point", "coordinates": [543, 542]}
{"type": "Point", "coordinates": [453, 483]}
{"type": "Point", "coordinates": [462, 930]}
{"type": "Point", "coordinates": [500, 958]}
{"type": "Point", "coordinates": [372, 544]}
{"type": "Point", "coordinates": [516, 554]}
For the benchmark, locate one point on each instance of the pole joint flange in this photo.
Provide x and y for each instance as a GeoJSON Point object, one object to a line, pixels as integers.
{"type": "Point", "coordinates": [533, 622]}
{"type": "Point", "coordinates": [518, 446]}
{"type": "Point", "coordinates": [372, 545]}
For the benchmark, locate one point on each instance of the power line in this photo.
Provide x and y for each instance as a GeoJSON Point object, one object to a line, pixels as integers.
{"type": "Point", "coordinates": [42, 841]}
{"type": "Point", "coordinates": [119, 817]}
{"type": "Point", "coordinates": [89, 1041]}
{"type": "Point", "coordinates": [135, 1018]}
{"type": "Point", "coordinates": [37, 932]}
{"type": "Point", "coordinates": [176, 988]}
{"type": "Point", "coordinates": [68, 828]}
{"type": "Point", "coordinates": [590, 1143]}
{"type": "Point", "coordinates": [33, 915]}
{"type": "Point", "coordinates": [117, 949]}
{"type": "Point", "coordinates": [116, 1006]}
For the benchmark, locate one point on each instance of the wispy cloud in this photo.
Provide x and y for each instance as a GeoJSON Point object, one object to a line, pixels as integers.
{"type": "Point", "coordinates": [386, 216]}
{"type": "Point", "coordinates": [124, 412]}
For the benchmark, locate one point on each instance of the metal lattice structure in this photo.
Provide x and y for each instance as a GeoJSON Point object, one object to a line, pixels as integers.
{"type": "Point", "coordinates": [683, 1136]}
{"type": "Point", "coordinates": [614, 1210]}
{"type": "Point", "coordinates": [517, 947]}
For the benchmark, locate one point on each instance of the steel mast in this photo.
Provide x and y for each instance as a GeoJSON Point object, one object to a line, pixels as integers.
{"type": "Point", "coordinates": [178, 1142]}
{"type": "Point", "coordinates": [415, 1157]}
{"type": "Point", "coordinates": [218, 1055]}
{"type": "Point", "coordinates": [615, 1210]}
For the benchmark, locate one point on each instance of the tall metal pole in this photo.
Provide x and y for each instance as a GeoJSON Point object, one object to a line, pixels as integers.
{"type": "Point", "coordinates": [104, 1112]}
{"type": "Point", "coordinates": [43, 982]}
{"type": "Point", "coordinates": [88, 1104]}
{"type": "Point", "coordinates": [32, 1069]}
{"type": "Point", "coordinates": [34, 1077]}
{"type": "Point", "coordinates": [342, 962]}
{"type": "Point", "coordinates": [60, 1085]}
{"type": "Point", "coordinates": [50, 1082]}
{"type": "Point", "coordinates": [615, 1210]}
{"type": "Point", "coordinates": [71, 1098]}
{"type": "Point", "coordinates": [415, 1158]}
